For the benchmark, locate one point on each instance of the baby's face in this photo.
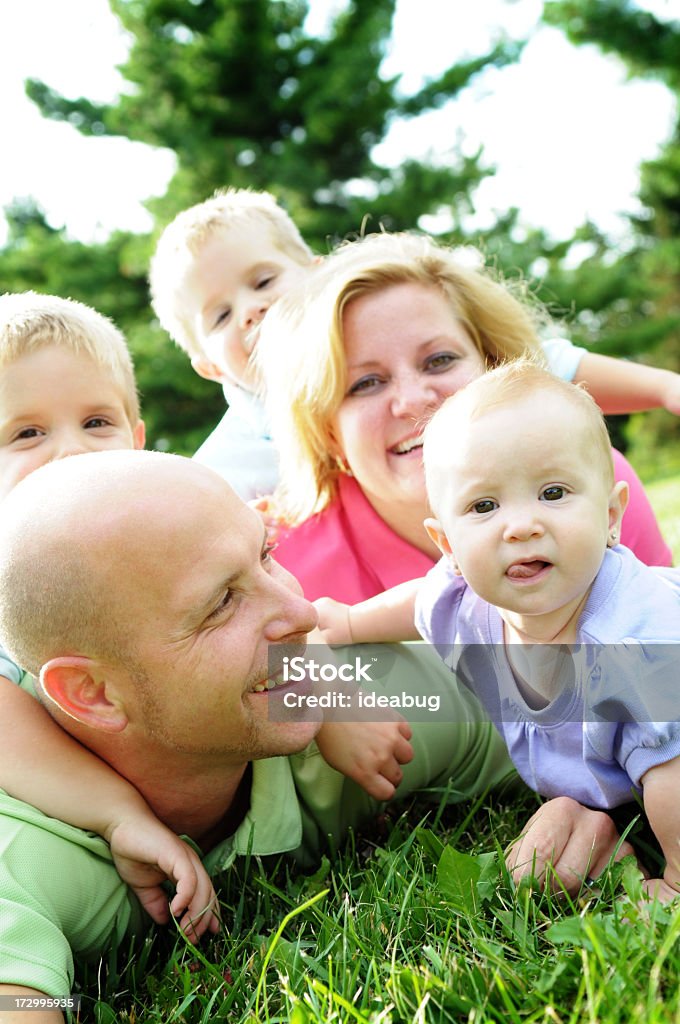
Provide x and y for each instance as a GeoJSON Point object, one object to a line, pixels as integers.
{"type": "Point", "coordinates": [54, 403]}
{"type": "Point", "coordinates": [526, 507]}
{"type": "Point", "coordinates": [226, 292]}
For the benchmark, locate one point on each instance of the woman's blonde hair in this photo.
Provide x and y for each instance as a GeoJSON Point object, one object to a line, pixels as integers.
{"type": "Point", "coordinates": [301, 354]}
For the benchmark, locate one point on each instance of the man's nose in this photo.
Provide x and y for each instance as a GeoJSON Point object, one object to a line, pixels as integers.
{"type": "Point", "coordinates": [291, 616]}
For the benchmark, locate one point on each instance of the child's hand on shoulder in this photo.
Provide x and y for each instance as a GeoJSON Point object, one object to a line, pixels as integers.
{"type": "Point", "coordinates": [146, 853]}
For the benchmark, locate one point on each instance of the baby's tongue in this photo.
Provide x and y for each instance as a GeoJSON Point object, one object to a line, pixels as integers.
{"type": "Point", "coordinates": [525, 570]}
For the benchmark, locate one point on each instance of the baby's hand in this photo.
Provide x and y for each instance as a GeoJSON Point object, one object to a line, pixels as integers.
{"type": "Point", "coordinates": [145, 855]}
{"type": "Point", "coordinates": [334, 622]}
{"type": "Point", "coordinates": [659, 889]}
{"type": "Point", "coordinates": [370, 753]}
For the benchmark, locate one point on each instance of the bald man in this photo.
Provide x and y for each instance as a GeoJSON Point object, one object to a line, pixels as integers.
{"type": "Point", "coordinates": [142, 592]}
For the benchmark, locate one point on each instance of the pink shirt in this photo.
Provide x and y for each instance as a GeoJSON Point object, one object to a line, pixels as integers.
{"type": "Point", "coordinates": [349, 553]}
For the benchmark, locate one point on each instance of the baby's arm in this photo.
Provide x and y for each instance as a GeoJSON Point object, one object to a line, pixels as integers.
{"type": "Point", "coordinates": [44, 766]}
{"type": "Point", "coordinates": [382, 619]}
{"type": "Point", "coordinates": [370, 753]}
{"type": "Point", "coordinates": [619, 386]}
{"type": "Point", "coordinates": [660, 792]}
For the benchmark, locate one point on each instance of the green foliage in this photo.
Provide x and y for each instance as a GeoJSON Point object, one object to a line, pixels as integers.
{"type": "Point", "coordinates": [422, 924]}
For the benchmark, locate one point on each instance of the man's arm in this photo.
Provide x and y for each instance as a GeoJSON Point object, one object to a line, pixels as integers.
{"type": "Point", "coordinates": [44, 766]}
{"type": "Point", "coordinates": [619, 386]}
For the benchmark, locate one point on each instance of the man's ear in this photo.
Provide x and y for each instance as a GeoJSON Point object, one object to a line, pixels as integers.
{"type": "Point", "coordinates": [139, 435]}
{"type": "Point", "coordinates": [204, 368]}
{"type": "Point", "coordinates": [618, 501]}
{"type": "Point", "coordinates": [436, 534]}
{"type": "Point", "coordinates": [78, 686]}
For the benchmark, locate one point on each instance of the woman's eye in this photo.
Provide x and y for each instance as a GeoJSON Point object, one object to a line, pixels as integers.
{"type": "Point", "coordinates": [363, 385]}
{"type": "Point", "coordinates": [441, 361]}
{"type": "Point", "coordinates": [484, 506]}
{"type": "Point", "coordinates": [553, 493]}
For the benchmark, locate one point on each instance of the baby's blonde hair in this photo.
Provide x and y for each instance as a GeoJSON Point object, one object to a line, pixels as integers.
{"type": "Point", "coordinates": [30, 321]}
{"type": "Point", "coordinates": [301, 352]}
{"type": "Point", "coordinates": [509, 384]}
{"type": "Point", "coordinates": [184, 237]}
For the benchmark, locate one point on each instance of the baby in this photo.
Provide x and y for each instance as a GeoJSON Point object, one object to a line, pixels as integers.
{"type": "Point", "coordinates": [528, 520]}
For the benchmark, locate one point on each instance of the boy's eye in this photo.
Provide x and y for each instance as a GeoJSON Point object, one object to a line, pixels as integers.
{"type": "Point", "coordinates": [96, 421]}
{"type": "Point", "coordinates": [27, 433]}
{"type": "Point", "coordinates": [264, 282]}
{"type": "Point", "coordinates": [553, 493]}
{"type": "Point", "coordinates": [222, 317]}
{"type": "Point", "coordinates": [484, 506]}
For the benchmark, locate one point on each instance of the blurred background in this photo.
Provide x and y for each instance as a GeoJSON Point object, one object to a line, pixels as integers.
{"type": "Point", "coordinates": [544, 134]}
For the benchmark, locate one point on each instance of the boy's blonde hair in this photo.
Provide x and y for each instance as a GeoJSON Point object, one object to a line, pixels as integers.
{"type": "Point", "coordinates": [509, 384]}
{"type": "Point", "coordinates": [183, 238]}
{"type": "Point", "coordinates": [301, 352]}
{"type": "Point", "coordinates": [30, 321]}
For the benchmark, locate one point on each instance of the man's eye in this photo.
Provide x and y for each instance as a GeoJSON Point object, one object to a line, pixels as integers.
{"type": "Point", "coordinates": [553, 493]}
{"type": "Point", "coordinates": [224, 603]}
{"type": "Point", "coordinates": [267, 552]}
{"type": "Point", "coordinates": [484, 506]}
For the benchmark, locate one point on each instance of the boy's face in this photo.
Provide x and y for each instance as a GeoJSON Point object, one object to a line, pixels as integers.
{"type": "Point", "coordinates": [528, 513]}
{"type": "Point", "coordinates": [54, 403]}
{"type": "Point", "coordinates": [226, 292]}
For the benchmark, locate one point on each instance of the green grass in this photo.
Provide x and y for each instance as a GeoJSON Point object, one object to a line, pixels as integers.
{"type": "Point", "coordinates": [419, 925]}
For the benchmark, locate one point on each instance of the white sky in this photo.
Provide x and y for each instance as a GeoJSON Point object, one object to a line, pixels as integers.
{"type": "Point", "coordinates": [564, 126]}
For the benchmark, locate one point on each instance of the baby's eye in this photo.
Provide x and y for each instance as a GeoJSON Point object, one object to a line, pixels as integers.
{"type": "Point", "coordinates": [27, 433]}
{"type": "Point", "coordinates": [96, 422]}
{"type": "Point", "coordinates": [484, 506]}
{"type": "Point", "coordinates": [265, 281]}
{"type": "Point", "coordinates": [553, 493]}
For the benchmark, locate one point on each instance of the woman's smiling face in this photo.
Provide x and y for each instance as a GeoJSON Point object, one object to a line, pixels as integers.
{"type": "Point", "coordinates": [406, 352]}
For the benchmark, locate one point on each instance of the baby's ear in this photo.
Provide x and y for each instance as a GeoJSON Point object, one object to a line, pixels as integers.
{"type": "Point", "coordinates": [436, 534]}
{"type": "Point", "coordinates": [618, 500]}
{"type": "Point", "coordinates": [78, 686]}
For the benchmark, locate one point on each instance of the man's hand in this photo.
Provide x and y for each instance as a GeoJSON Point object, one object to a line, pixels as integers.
{"type": "Point", "coordinates": [370, 753]}
{"type": "Point", "coordinates": [147, 854]}
{"type": "Point", "coordinates": [334, 621]}
{"type": "Point", "coordinates": [563, 844]}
